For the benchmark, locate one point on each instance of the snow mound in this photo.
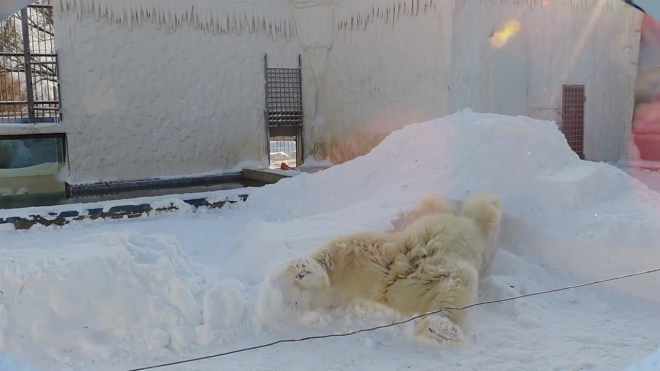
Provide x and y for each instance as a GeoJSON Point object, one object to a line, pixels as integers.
{"type": "Point", "coordinates": [650, 363]}
{"type": "Point", "coordinates": [587, 219]}
{"type": "Point", "coordinates": [113, 294]}
{"type": "Point", "coordinates": [136, 298]}
{"type": "Point", "coordinates": [10, 363]}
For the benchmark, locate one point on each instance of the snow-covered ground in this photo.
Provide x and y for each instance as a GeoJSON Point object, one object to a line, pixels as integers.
{"type": "Point", "coordinates": [649, 177]}
{"type": "Point", "coordinates": [650, 363]}
{"type": "Point", "coordinates": [117, 295]}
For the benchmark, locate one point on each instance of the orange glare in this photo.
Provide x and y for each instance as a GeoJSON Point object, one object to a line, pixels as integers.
{"type": "Point", "coordinates": [500, 38]}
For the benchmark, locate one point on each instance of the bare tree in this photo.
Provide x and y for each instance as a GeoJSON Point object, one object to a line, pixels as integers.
{"type": "Point", "coordinates": [41, 41]}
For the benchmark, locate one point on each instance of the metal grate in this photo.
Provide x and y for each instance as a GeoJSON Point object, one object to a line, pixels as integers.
{"type": "Point", "coordinates": [29, 84]}
{"type": "Point", "coordinates": [573, 100]}
{"type": "Point", "coordinates": [284, 110]}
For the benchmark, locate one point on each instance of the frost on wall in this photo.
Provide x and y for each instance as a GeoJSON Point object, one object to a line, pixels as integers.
{"type": "Point", "coordinates": [217, 17]}
{"type": "Point", "coordinates": [387, 66]}
{"type": "Point", "coordinates": [352, 16]}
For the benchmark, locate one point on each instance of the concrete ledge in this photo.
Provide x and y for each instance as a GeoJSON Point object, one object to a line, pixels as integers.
{"type": "Point", "coordinates": [267, 176]}
{"type": "Point", "coordinates": [31, 129]}
{"type": "Point", "coordinates": [115, 212]}
{"type": "Point", "coordinates": [93, 189]}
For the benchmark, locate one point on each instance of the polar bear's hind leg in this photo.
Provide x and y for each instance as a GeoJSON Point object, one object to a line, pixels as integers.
{"type": "Point", "coordinates": [428, 205]}
{"type": "Point", "coordinates": [451, 292]}
{"type": "Point", "coordinates": [440, 329]}
{"type": "Point", "coordinates": [486, 210]}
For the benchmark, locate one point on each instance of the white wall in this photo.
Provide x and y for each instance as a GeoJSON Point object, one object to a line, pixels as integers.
{"type": "Point", "coordinates": [140, 102]}
{"type": "Point", "coordinates": [595, 44]}
{"type": "Point", "coordinates": [385, 69]}
{"type": "Point", "coordinates": [143, 101]}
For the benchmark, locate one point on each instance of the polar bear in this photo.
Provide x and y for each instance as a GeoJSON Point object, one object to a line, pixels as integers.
{"type": "Point", "coordinates": [430, 204]}
{"type": "Point", "coordinates": [433, 264]}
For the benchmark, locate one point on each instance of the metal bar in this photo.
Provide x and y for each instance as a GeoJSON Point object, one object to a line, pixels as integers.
{"type": "Point", "coordinates": [46, 102]}
{"type": "Point", "coordinates": [12, 103]}
{"type": "Point", "coordinates": [28, 67]}
{"type": "Point", "coordinates": [58, 94]}
{"type": "Point", "coordinates": [40, 6]}
{"type": "Point", "coordinates": [573, 110]}
{"type": "Point", "coordinates": [44, 62]}
{"type": "Point", "coordinates": [42, 55]}
{"type": "Point", "coordinates": [266, 110]}
{"type": "Point", "coordinates": [299, 145]}
{"type": "Point", "coordinates": [286, 68]}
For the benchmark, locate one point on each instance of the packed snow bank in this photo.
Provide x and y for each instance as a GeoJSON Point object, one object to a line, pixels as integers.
{"type": "Point", "coordinates": [588, 219]}
{"type": "Point", "coordinates": [650, 363]}
{"type": "Point", "coordinates": [112, 294]}
{"type": "Point", "coordinates": [10, 363]}
{"type": "Point", "coordinates": [119, 298]}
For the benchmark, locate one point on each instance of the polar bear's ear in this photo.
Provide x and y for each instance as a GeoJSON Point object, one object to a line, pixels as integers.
{"type": "Point", "coordinates": [486, 210]}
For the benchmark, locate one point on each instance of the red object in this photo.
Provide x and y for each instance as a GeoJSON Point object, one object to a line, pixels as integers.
{"type": "Point", "coordinates": [284, 166]}
{"type": "Point", "coordinates": [648, 146]}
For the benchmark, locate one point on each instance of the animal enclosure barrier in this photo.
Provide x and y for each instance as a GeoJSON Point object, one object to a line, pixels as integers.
{"type": "Point", "coordinates": [29, 85]}
{"type": "Point", "coordinates": [284, 114]}
{"type": "Point", "coordinates": [573, 99]}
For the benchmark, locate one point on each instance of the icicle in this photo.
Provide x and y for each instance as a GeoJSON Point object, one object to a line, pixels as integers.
{"type": "Point", "coordinates": [577, 5]}
{"type": "Point", "coordinates": [274, 17]}
{"type": "Point", "coordinates": [212, 16]}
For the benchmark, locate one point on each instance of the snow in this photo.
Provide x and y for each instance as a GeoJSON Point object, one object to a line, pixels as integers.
{"type": "Point", "coordinates": [650, 363]}
{"type": "Point", "coordinates": [649, 177]}
{"type": "Point", "coordinates": [10, 363]}
{"type": "Point", "coordinates": [126, 294]}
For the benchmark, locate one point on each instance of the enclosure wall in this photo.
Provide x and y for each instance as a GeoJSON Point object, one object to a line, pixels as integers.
{"type": "Point", "coordinates": [591, 43]}
{"type": "Point", "coordinates": [384, 65]}
{"type": "Point", "coordinates": [158, 99]}
{"type": "Point", "coordinates": [164, 88]}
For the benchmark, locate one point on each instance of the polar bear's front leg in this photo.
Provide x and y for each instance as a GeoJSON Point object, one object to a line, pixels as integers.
{"type": "Point", "coordinates": [308, 274]}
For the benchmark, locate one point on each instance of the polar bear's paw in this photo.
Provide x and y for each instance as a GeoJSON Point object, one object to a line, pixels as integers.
{"type": "Point", "coordinates": [308, 274]}
{"type": "Point", "coordinates": [441, 330]}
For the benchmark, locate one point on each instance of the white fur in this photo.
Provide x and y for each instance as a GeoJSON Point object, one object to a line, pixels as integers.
{"type": "Point", "coordinates": [432, 264]}
{"type": "Point", "coordinates": [431, 204]}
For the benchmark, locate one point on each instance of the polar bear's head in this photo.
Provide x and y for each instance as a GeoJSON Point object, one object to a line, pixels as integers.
{"type": "Point", "coordinates": [308, 274]}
